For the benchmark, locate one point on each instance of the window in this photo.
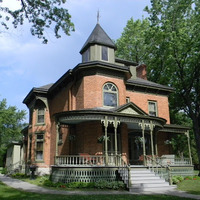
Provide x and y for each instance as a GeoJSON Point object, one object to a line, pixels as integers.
{"type": "Point", "coordinates": [153, 108]}
{"type": "Point", "coordinates": [40, 115]}
{"type": "Point", "coordinates": [31, 116]}
{"type": "Point", "coordinates": [127, 99]}
{"type": "Point", "coordinates": [39, 146]}
{"type": "Point", "coordinates": [40, 108]}
{"type": "Point", "coordinates": [30, 147]}
{"type": "Point", "coordinates": [104, 53]}
{"type": "Point", "coordinates": [86, 55]}
{"type": "Point", "coordinates": [110, 95]}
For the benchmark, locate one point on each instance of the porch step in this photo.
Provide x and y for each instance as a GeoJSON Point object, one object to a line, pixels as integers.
{"type": "Point", "coordinates": [143, 180]}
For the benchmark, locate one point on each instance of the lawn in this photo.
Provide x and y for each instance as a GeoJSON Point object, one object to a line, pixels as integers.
{"type": "Point", "coordinates": [9, 193]}
{"type": "Point", "coordinates": [190, 186]}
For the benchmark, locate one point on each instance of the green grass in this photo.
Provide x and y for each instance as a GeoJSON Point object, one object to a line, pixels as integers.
{"type": "Point", "coordinates": [9, 193]}
{"type": "Point", "coordinates": [190, 186]}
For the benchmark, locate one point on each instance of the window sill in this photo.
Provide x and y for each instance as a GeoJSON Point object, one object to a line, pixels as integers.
{"type": "Point", "coordinates": [40, 124]}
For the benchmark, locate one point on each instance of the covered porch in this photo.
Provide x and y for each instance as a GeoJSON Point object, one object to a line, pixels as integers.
{"type": "Point", "coordinates": [108, 137]}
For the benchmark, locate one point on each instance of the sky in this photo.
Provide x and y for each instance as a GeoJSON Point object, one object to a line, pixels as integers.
{"type": "Point", "coordinates": [26, 63]}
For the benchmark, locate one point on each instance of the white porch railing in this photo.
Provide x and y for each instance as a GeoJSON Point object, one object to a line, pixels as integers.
{"type": "Point", "coordinates": [174, 161]}
{"type": "Point", "coordinates": [87, 160]}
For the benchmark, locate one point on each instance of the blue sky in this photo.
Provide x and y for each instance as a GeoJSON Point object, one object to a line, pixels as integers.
{"type": "Point", "coordinates": [26, 63]}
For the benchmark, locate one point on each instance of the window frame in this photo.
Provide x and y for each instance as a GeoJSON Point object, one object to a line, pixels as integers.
{"type": "Point", "coordinates": [103, 54]}
{"type": "Point", "coordinates": [86, 56]}
{"type": "Point", "coordinates": [37, 140]}
{"type": "Point", "coordinates": [39, 115]}
{"type": "Point", "coordinates": [156, 108]}
{"type": "Point", "coordinates": [109, 91]}
{"type": "Point", "coordinates": [128, 100]}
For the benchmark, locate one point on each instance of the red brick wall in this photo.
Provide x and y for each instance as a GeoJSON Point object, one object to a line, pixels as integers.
{"type": "Point", "coordinates": [163, 148]}
{"type": "Point", "coordinates": [141, 100]}
{"type": "Point", "coordinates": [142, 72]}
{"type": "Point", "coordinates": [93, 85]}
{"type": "Point", "coordinates": [86, 138]}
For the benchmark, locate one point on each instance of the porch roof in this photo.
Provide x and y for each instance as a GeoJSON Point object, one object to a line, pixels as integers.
{"type": "Point", "coordinates": [174, 128]}
{"type": "Point", "coordinates": [132, 119]}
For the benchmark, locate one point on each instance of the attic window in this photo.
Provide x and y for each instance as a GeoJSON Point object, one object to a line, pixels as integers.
{"type": "Point", "coordinates": [110, 95]}
{"type": "Point", "coordinates": [104, 53]}
{"type": "Point", "coordinates": [86, 55]}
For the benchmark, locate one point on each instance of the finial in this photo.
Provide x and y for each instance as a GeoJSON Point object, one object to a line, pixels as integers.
{"type": "Point", "coordinates": [98, 17]}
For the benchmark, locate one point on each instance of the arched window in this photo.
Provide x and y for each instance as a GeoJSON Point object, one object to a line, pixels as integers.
{"type": "Point", "coordinates": [110, 95]}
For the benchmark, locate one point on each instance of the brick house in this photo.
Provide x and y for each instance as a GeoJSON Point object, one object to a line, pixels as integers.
{"type": "Point", "coordinates": [102, 110]}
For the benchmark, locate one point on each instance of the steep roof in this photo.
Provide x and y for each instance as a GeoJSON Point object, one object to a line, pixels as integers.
{"type": "Point", "coordinates": [42, 90]}
{"type": "Point", "coordinates": [142, 83]}
{"type": "Point", "coordinates": [98, 36]}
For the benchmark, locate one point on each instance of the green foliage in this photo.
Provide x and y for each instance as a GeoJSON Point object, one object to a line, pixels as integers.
{"type": "Point", "coordinates": [4, 171]}
{"type": "Point", "coordinates": [19, 175]}
{"type": "Point", "coordinates": [101, 184]}
{"type": "Point", "coordinates": [131, 45]}
{"type": "Point", "coordinates": [172, 43]}
{"type": "Point", "coordinates": [115, 185]}
{"type": "Point", "coordinates": [177, 179]}
{"type": "Point", "coordinates": [41, 15]}
{"type": "Point", "coordinates": [11, 124]}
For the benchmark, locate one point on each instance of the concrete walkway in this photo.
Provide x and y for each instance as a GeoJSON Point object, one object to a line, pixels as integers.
{"type": "Point", "coordinates": [21, 185]}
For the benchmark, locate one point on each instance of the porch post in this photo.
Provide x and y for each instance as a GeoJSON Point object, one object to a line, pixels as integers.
{"type": "Point", "coordinates": [115, 124]}
{"type": "Point", "coordinates": [156, 145]}
{"type": "Point", "coordinates": [151, 126]}
{"type": "Point", "coordinates": [189, 148]}
{"type": "Point", "coordinates": [57, 136]}
{"type": "Point", "coordinates": [105, 122]}
{"type": "Point", "coordinates": [143, 141]}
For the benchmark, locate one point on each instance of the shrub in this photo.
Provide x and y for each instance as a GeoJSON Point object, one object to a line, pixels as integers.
{"type": "Point", "coordinates": [188, 178]}
{"type": "Point", "coordinates": [102, 184]}
{"type": "Point", "coordinates": [177, 179]}
{"type": "Point", "coordinates": [4, 171]}
{"type": "Point", "coordinates": [19, 175]}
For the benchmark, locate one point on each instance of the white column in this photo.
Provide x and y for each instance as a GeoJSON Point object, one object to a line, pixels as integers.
{"type": "Point", "coordinates": [105, 122]}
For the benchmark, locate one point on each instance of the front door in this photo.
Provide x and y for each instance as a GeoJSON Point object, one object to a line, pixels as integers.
{"type": "Point", "coordinates": [135, 144]}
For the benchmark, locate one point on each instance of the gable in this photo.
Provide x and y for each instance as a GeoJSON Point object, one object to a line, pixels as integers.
{"type": "Point", "coordinates": [130, 108]}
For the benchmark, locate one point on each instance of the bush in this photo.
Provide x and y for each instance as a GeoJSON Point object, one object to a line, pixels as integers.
{"type": "Point", "coordinates": [19, 175]}
{"type": "Point", "coordinates": [4, 171]}
{"type": "Point", "coordinates": [177, 179]}
{"type": "Point", "coordinates": [101, 184]}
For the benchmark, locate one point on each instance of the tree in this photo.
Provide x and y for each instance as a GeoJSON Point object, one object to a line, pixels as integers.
{"type": "Point", "coordinates": [172, 44]}
{"type": "Point", "coordinates": [41, 14]}
{"type": "Point", "coordinates": [175, 27]}
{"type": "Point", "coordinates": [131, 45]}
{"type": "Point", "coordinates": [11, 124]}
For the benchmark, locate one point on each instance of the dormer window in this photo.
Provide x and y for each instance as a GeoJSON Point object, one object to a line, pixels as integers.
{"type": "Point", "coordinates": [104, 53]}
{"type": "Point", "coordinates": [110, 95]}
{"type": "Point", "coordinates": [86, 55]}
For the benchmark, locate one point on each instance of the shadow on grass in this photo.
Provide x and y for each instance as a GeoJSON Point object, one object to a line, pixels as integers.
{"type": "Point", "coordinates": [9, 193]}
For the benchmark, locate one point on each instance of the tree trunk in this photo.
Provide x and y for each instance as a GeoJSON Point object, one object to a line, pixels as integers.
{"type": "Point", "coordinates": [196, 127]}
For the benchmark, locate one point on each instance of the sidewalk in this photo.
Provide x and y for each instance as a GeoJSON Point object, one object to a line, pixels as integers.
{"type": "Point", "coordinates": [21, 185]}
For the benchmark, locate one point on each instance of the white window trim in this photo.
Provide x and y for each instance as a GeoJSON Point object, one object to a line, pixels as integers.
{"type": "Point", "coordinates": [156, 106]}
{"type": "Point", "coordinates": [117, 92]}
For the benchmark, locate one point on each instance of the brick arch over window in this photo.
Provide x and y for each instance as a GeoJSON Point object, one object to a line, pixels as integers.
{"type": "Point", "coordinates": [40, 108]}
{"type": "Point", "coordinates": [110, 95]}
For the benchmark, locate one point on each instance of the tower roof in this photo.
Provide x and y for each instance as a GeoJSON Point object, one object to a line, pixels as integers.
{"type": "Point", "coordinates": [98, 36]}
